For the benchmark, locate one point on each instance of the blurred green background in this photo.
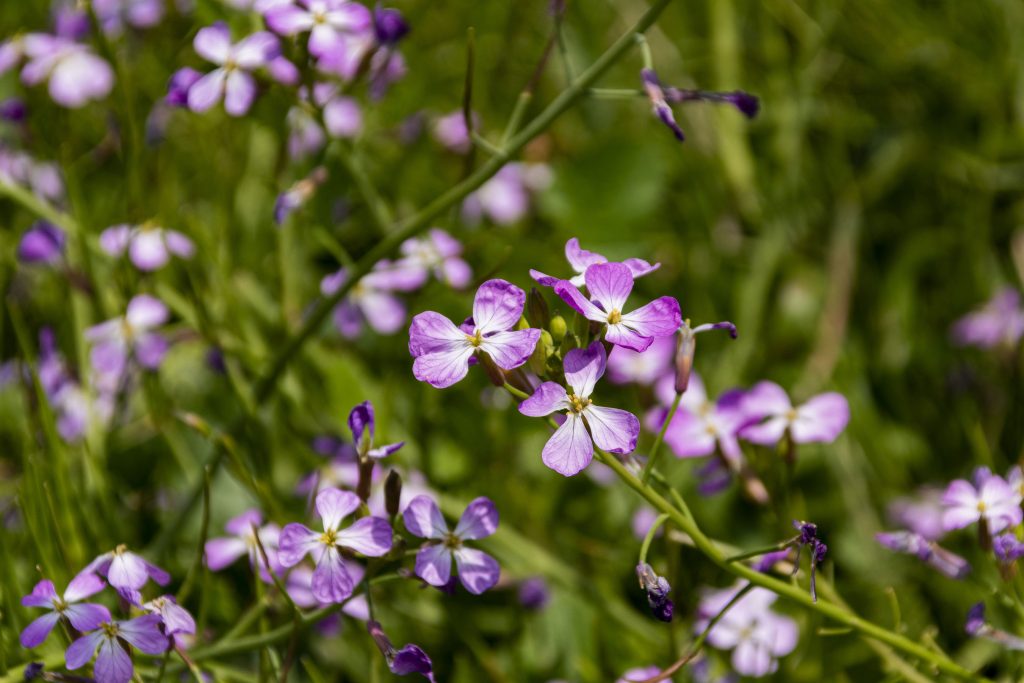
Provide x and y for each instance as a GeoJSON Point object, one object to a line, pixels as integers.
{"type": "Point", "coordinates": [876, 199]}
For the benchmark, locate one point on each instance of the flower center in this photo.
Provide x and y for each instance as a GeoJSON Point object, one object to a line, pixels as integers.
{"type": "Point", "coordinates": [791, 415]}
{"type": "Point", "coordinates": [110, 628]}
{"type": "Point", "coordinates": [121, 549]}
{"type": "Point", "coordinates": [329, 537]}
{"type": "Point", "coordinates": [476, 339]}
{"type": "Point", "coordinates": [578, 403]}
{"type": "Point", "coordinates": [452, 542]}
{"type": "Point", "coordinates": [982, 506]}
{"type": "Point", "coordinates": [59, 605]}
{"type": "Point", "coordinates": [320, 17]}
{"type": "Point", "coordinates": [615, 317]}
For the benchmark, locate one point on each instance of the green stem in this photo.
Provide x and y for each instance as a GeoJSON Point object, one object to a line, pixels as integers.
{"type": "Point", "coordinates": [652, 458]}
{"type": "Point", "coordinates": [761, 551]}
{"type": "Point", "coordinates": [204, 530]}
{"type": "Point", "coordinates": [379, 210]}
{"type": "Point", "coordinates": [33, 204]}
{"type": "Point", "coordinates": [422, 219]}
{"type": "Point", "coordinates": [522, 395]}
{"type": "Point", "coordinates": [646, 545]}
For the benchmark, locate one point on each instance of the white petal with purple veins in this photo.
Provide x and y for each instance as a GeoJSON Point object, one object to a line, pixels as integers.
{"type": "Point", "coordinates": [370, 536]}
{"type": "Point", "coordinates": [614, 430]}
{"type": "Point", "coordinates": [497, 306]}
{"type": "Point", "coordinates": [583, 367]}
{"type": "Point", "coordinates": [570, 448]}
{"type": "Point", "coordinates": [547, 398]}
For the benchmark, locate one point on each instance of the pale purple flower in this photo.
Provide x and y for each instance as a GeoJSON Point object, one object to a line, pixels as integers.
{"type": "Point", "coordinates": [328, 22]}
{"type": "Point", "coordinates": [640, 673]}
{"type": "Point", "coordinates": [113, 663]}
{"type": "Point", "coordinates": [82, 617]}
{"type": "Point", "coordinates": [371, 300]}
{"type": "Point", "coordinates": [641, 367]}
{"type": "Point", "coordinates": [580, 259]}
{"type": "Point", "coordinates": [181, 82]}
{"type": "Point", "coordinates": [450, 130]}
{"type": "Point", "coordinates": [359, 54]}
{"type": "Point", "coordinates": [821, 418]}
{"type": "Point", "coordinates": [149, 247]}
{"type": "Point", "coordinates": [921, 514]}
{"type": "Point", "coordinates": [700, 426]}
{"type": "Point", "coordinates": [131, 336]}
{"type": "Point", "coordinates": [477, 570]}
{"type": "Point", "coordinates": [43, 178]}
{"type": "Point", "coordinates": [976, 626]}
{"type": "Point", "coordinates": [443, 351]}
{"type": "Point", "coordinates": [224, 551]}
{"type": "Point", "coordinates": [176, 620]}
{"type": "Point", "coordinates": [1000, 322]}
{"type": "Point", "coordinates": [370, 536]}
{"type": "Point", "coordinates": [571, 447]}
{"type": "Point", "coordinates": [1007, 547]}
{"type": "Point", "coordinates": [127, 572]}
{"type": "Point", "coordinates": [363, 424]}
{"type": "Point", "coordinates": [940, 559]}
{"type": "Point", "coordinates": [75, 74]}
{"type": "Point", "coordinates": [661, 109]}
{"type": "Point", "coordinates": [115, 14]}
{"type": "Point", "coordinates": [300, 587]}
{"type": "Point", "coordinates": [42, 243]}
{"type": "Point", "coordinates": [609, 286]}
{"type": "Point", "coordinates": [757, 636]}
{"type": "Point", "coordinates": [232, 80]}
{"type": "Point", "coordinates": [505, 198]}
{"type": "Point", "coordinates": [438, 253]}
{"type": "Point", "coordinates": [994, 501]}
{"type": "Point", "coordinates": [410, 659]}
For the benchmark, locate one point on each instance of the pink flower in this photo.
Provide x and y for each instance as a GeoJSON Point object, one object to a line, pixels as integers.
{"type": "Point", "coordinates": [580, 259]}
{"type": "Point", "coordinates": [993, 500]}
{"type": "Point", "coordinates": [821, 418]}
{"type": "Point", "coordinates": [231, 80]}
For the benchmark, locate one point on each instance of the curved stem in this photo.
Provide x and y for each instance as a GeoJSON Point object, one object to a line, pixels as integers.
{"type": "Point", "coordinates": [650, 536]}
{"type": "Point", "coordinates": [653, 456]}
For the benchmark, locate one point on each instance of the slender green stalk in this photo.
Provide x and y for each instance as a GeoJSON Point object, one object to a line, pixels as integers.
{"type": "Point", "coordinates": [40, 207]}
{"type": "Point", "coordinates": [760, 551]}
{"type": "Point", "coordinates": [652, 458]}
{"type": "Point", "coordinates": [204, 530]}
{"type": "Point", "coordinates": [646, 545]}
{"type": "Point", "coordinates": [380, 212]}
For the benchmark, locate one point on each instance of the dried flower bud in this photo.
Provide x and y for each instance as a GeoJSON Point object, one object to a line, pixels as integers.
{"type": "Point", "coordinates": [657, 589]}
{"type": "Point", "coordinates": [392, 492]}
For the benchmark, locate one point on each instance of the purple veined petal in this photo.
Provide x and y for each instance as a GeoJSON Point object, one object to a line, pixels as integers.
{"type": "Point", "coordinates": [296, 541]}
{"type": "Point", "coordinates": [370, 536]}
{"type": "Point", "coordinates": [37, 630]}
{"type": "Point", "coordinates": [100, 564]}
{"type": "Point", "coordinates": [431, 332]}
{"type": "Point", "coordinates": [638, 267]}
{"type": "Point", "coordinates": [478, 571]}
{"type": "Point", "coordinates": [176, 618]}
{"type": "Point", "coordinates": [822, 418]}
{"type": "Point", "coordinates": [660, 318]}
{"type": "Point", "coordinates": [583, 367]}
{"type": "Point", "coordinates": [411, 659]}
{"type": "Point", "coordinates": [543, 279]}
{"type": "Point", "coordinates": [222, 552]}
{"type": "Point", "coordinates": [688, 436]}
{"type": "Point", "coordinates": [766, 398]}
{"type": "Point", "coordinates": [112, 665]}
{"type": "Point", "coordinates": [79, 77]}
{"type": "Point", "coordinates": [752, 658]}
{"type": "Point", "coordinates": [361, 418]}
{"type": "Point", "coordinates": [157, 574]}
{"type": "Point", "coordinates": [511, 349]}
{"type": "Point", "coordinates": [384, 312]}
{"type": "Point", "coordinates": [497, 306]}
{"type": "Point", "coordinates": [621, 335]}
{"type": "Point", "coordinates": [609, 285]}
{"type": "Point", "coordinates": [479, 520]}
{"type": "Point", "coordinates": [146, 312]}
{"type": "Point", "coordinates": [256, 50]}
{"type": "Point", "coordinates": [768, 433]}
{"type": "Point", "coordinates": [148, 251]}
{"type": "Point", "coordinates": [331, 580]}
{"type": "Point", "coordinates": [334, 505]}
{"type": "Point", "coordinates": [213, 43]}
{"type": "Point", "coordinates": [424, 519]}
{"type": "Point", "coordinates": [242, 524]}
{"type": "Point", "coordinates": [959, 517]}
{"type": "Point", "coordinates": [385, 450]}
{"type": "Point", "coordinates": [579, 258]}
{"type": "Point", "coordinates": [87, 616]}
{"type": "Point", "coordinates": [128, 571]}
{"type": "Point", "coordinates": [444, 368]}
{"type": "Point", "coordinates": [179, 244]}
{"type": "Point", "coordinates": [434, 564]}
{"type": "Point", "coordinates": [570, 448]}
{"type": "Point", "coordinates": [547, 398]}
{"type": "Point", "coordinates": [350, 17]}
{"type": "Point", "coordinates": [115, 239]}
{"type": "Point", "coordinates": [207, 91]}
{"type": "Point", "coordinates": [612, 429]}
{"type": "Point", "coordinates": [144, 633]}
{"type": "Point", "coordinates": [343, 118]}
{"type": "Point", "coordinates": [43, 595]}
{"type": "Point", "coordinates": [239, 93]}
{"type": "Point", "coordinates": [325, 39]}
{"type": "Point", "coordinates": [581, 304]}
{"type": "Point", "coordinates": [288, 19]}
{"type": "Point", "coordinates": [82, 650]}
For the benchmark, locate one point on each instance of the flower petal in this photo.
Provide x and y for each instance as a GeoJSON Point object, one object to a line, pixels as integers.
{"type": "Point", "coordinates": [144, 633]}
{"type": "Point", "coordinates": [334, 505]}
{"type": "Point", "coordinates": [479, 520]}
{"type": "Point", "coordinates": [146, 312]}
{"type": "Point", "coordinates": [361, 418]}
{"type": "Point", "coordinates": [509, 350]}
{"type": "Point", "coordinates": [478, 571]}
{"type": "Point", "coordinates": [621, 335]}
{"type": "Point", "coordinates": [370, 536]}
{"type": "Point", "coordinates": [609, 285]}
{"type": "Point", "coordinates": [221, 552]}
{"type": "Point", "coordinates": [444, 368]}
{"type": "Point", "coordinates": [766, 398]}
{"type": "Point", "coordinates": [822, 418]}
{"type": "Point", "coordinates": [431, 332]}
{"type": "Point", "coordinates": [423, 518]}
{"type": "Point", "coordinates": [570, 448]}
{"type": "Point", "coordinates": [639, 267]}
{"type": "Point", "coordinates": [148, 251]}
{"type": "Point", "coordinates": [35, 633]}
{"type": "Point", "coordinates": [239, 93]}
{"type": "Point", "coordinates": [256, 50]}
{"type": "Point", "coordinates": [296, 541]}
{"type": "Point", "coordinates": [660, 318]}
{"type": "Point", "coordinates": [583, 367]}
{"type": "Point", "coordinates": [613, 430]}
{"type": "Point", "coordinates": [434, 564]}
{"type": "Point", "coordinates": [82, 650]}
{"type": "Point", "coordinates": [580, 258]}
{"type": "Point", "coordinates": [546, 399]}
{"type": "Point", "coordinates": [331, 580]}
{"type": "Point", "coordinates": [498, 305]}
{"type": "Point", "coordinates": [127, 571]}
{"type": "Point", "coordinates": [42, 595]}
{"type": "Point", "coordinates": [87, 616]}
{"type": "Point", "coordinates": [213, 43]}
{"type": "Point", "coordinates": [288, 19]}
{"type": "Point", "coordinates": [768, 433]}
{"type": "Point", "coordinates": [113, 665]}
{"type": "Point", "coordinates": [581, 304]}
{"type": "Point", "coordinates": [207, 91]}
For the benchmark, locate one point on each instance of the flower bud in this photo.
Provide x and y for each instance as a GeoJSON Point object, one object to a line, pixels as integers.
{"type": "Point", "coordinates": [657, 589]}
{"type": "Point", "coordinates": [537, 311]}
{"type": "Point", "coordinates": [558, 329]}
{"type": "Point", "coordinates": [389, 26]}
{"type": "Point", "coordinates": [685, 349]}
{"type": "Point", "coordinates": [392, 493]}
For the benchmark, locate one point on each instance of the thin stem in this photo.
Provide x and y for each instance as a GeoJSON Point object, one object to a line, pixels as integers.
{"type": "Point", "coordinates": [652, 458]}
{"type": "Point", "coordinates": [616, 93]}
{"type": "Point", "coordinates": [40, 207]}
{"type": "Point", "coordinates": [379, 210]}
{"type": "Point", "coordinates": [760, 551]}
{"type": "Point", "coordinates": [522, 395]}
{"type": "Point", "coordinates": [204, 530]}
{"type": "Point", "coordinates": [270, 570]}
{"type": "Point", "coordinates": [646, 545]}
{"type": "Point", "coordinates": [484, 144]}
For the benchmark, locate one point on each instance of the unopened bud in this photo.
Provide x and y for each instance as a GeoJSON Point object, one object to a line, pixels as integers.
{"type": "Point", "coordinates": [686, 346]}
{"type": "Point", "coordinates": [558, 329]}
{"type": "Point", "coordinates": [392, 493]}
{"type": "Point", "coordinates": [537, 310]}
{"type": "Point", "coordinates": [494, 373]}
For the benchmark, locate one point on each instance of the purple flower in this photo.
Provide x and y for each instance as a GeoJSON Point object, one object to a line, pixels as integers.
{"type": "Point", "coordinates": [371, 300]}
{"type": "Point", "coordinates": [976, 626]}
{"type": "Point", "coordinates": [181, 82]}
{"type": "Point", "coordinates": [652, 86]}
{"type": "Point", "coordinates": [75, 74]}
{"type": "Point", "coordinates": [450, 130]}
{"type": "Point", "coordinates": [443, 351]}
{"type": "Point", "coordinates": [83, 617]}
{"type": "Point", "coordinates": [477, 570]}
{"type": "Point", "coordinates": [362, 423]}
{"type": "Point", "coordinates": [389, 26]}
{"type": "Point", "coordinates": [176, 620]}
{"type": "Point", "coordinates": [609, 285]}
{"type": "Point", "coordinates": [231, 80]}
{"type": "Point", "coordinates": [820, 419]}
{"type": "Point", "coordinates": [130, 336]}
{"type": "Point", "coordinates": [149, 247]}
{"type": "Point", "coordinates": [993, 502]}
{"type": "Point", "coordinates": [657, 590]}
{"type": "Point", "coordinates": [42, 243]}
{"type": "Point", "coordinates": [701, 426]}
{"type": "Point", "coordinates": [224, 551]}
{"type": "Point", "coordinates": [1000, 322]}
{"type": "Point", "coordinates": [571, 447]}
{"type": "Point", "coordinates": [756, 635]}
{"type": "Point", "coordinates": [127, 572]}
{"type": "Point", "coordinates": [327, 21]}
{"type": "Point", "coordinates": [642, 367]}
{"type": "Point", "coordinates": [113, 663]}
{"type": "Point", "coordinates": [505, 198]}
{"type": "Point", "coordinates": [43, 178]}
{"type": "Point", "coordinates": [410, 659]}
{"type": "Point", "coordinates": [940, 559]}
{"type": "Point", "coordinates": [1007, 547]}
{"type": "Point", "coordinates": [640, 673]}
{"type": "Point", "coordinates": [534, 593]}
{"type": "Point", "coordinates": [370, 536]}
{"type": "Point", "coordinates": [580, 259]}
{"type": "Point", "coordinates": [439, 253]}
{"type": "Point", "coordinates": [114, 14]}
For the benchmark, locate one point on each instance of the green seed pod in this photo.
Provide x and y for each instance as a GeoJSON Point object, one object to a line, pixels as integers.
{"type": "Point", "coordinates": [558, 329]}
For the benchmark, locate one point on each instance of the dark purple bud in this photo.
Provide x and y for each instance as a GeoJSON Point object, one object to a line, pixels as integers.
{"type": "Point", "coordinates": [42, 243]}
{"type": "Point", "coordinates": [660, 107]}
{"type": "Point", "coordinates": [724, 325]}
{"type": "Point", "coordinates": [362, 424]}
{"type": "Point", "coordinates": [388, 25]}
{"type": "Point", "coordinates": [657, 589]}
{"type": "Point", "coordinates": [13, 110]}
{"type": "Point", "coordinates": [392, 493]}
{"type": "Point", "coordinates": [808, 532]}
{"type": "Point", "coordinates": [975, 619]}
{"type": "Point", "coordinates": [33, 671]}
{"type": "Point", "coordinates": [71, 23]}
{"type": "Point", "coordinates": [177, 88]}
{"type": "Point", "coordinates": [411, 659]}
{"type": "Point", "coordinates": [748, 104]}
{"type": "Point", "coordinates": [534, 593]}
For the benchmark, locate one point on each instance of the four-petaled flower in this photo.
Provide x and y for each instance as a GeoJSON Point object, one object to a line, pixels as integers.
{"type": "Point", "coordinates": [477, 570]}
{"type": "Point", "coordinates": [821, 418]}
{"type": "Point", "coordinates": [370, 536]}
{"type": "Point", "coordinates": [443, 351]}
{"type": "Point", "coordinates": [609, 285]}
{"type": "Point", "coordinates": [327, 21]}
{"type": "Point", "coordinates": [127, 572]}
{"type": "Point", "coordinates": [75, 74]}
{"type": "Point", "coordinates": [149, 247]}
{"type": "Point", "coordinates": [130, 336]}
{"type": "Point", "coordinates": [580, 259]}
{"type": "Point", "coordinates": [221, 552]}
{"type": "Point", "coordinates": [231, 80]}
{"type": "Point", "coordinates": [83, 617]}
{"type": "Point", "coordinates": [113, 663]}
{"type": "Point", "coordinates": [571, 447]}
{"type": "Point", "coordinates": [176, 620]}
{"type": "Point", "coordinates": [992, 501]}
{"type": "Point", "coordinates": [701, 426]}
{"type": "Point", "coordinates": [439, 253]}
